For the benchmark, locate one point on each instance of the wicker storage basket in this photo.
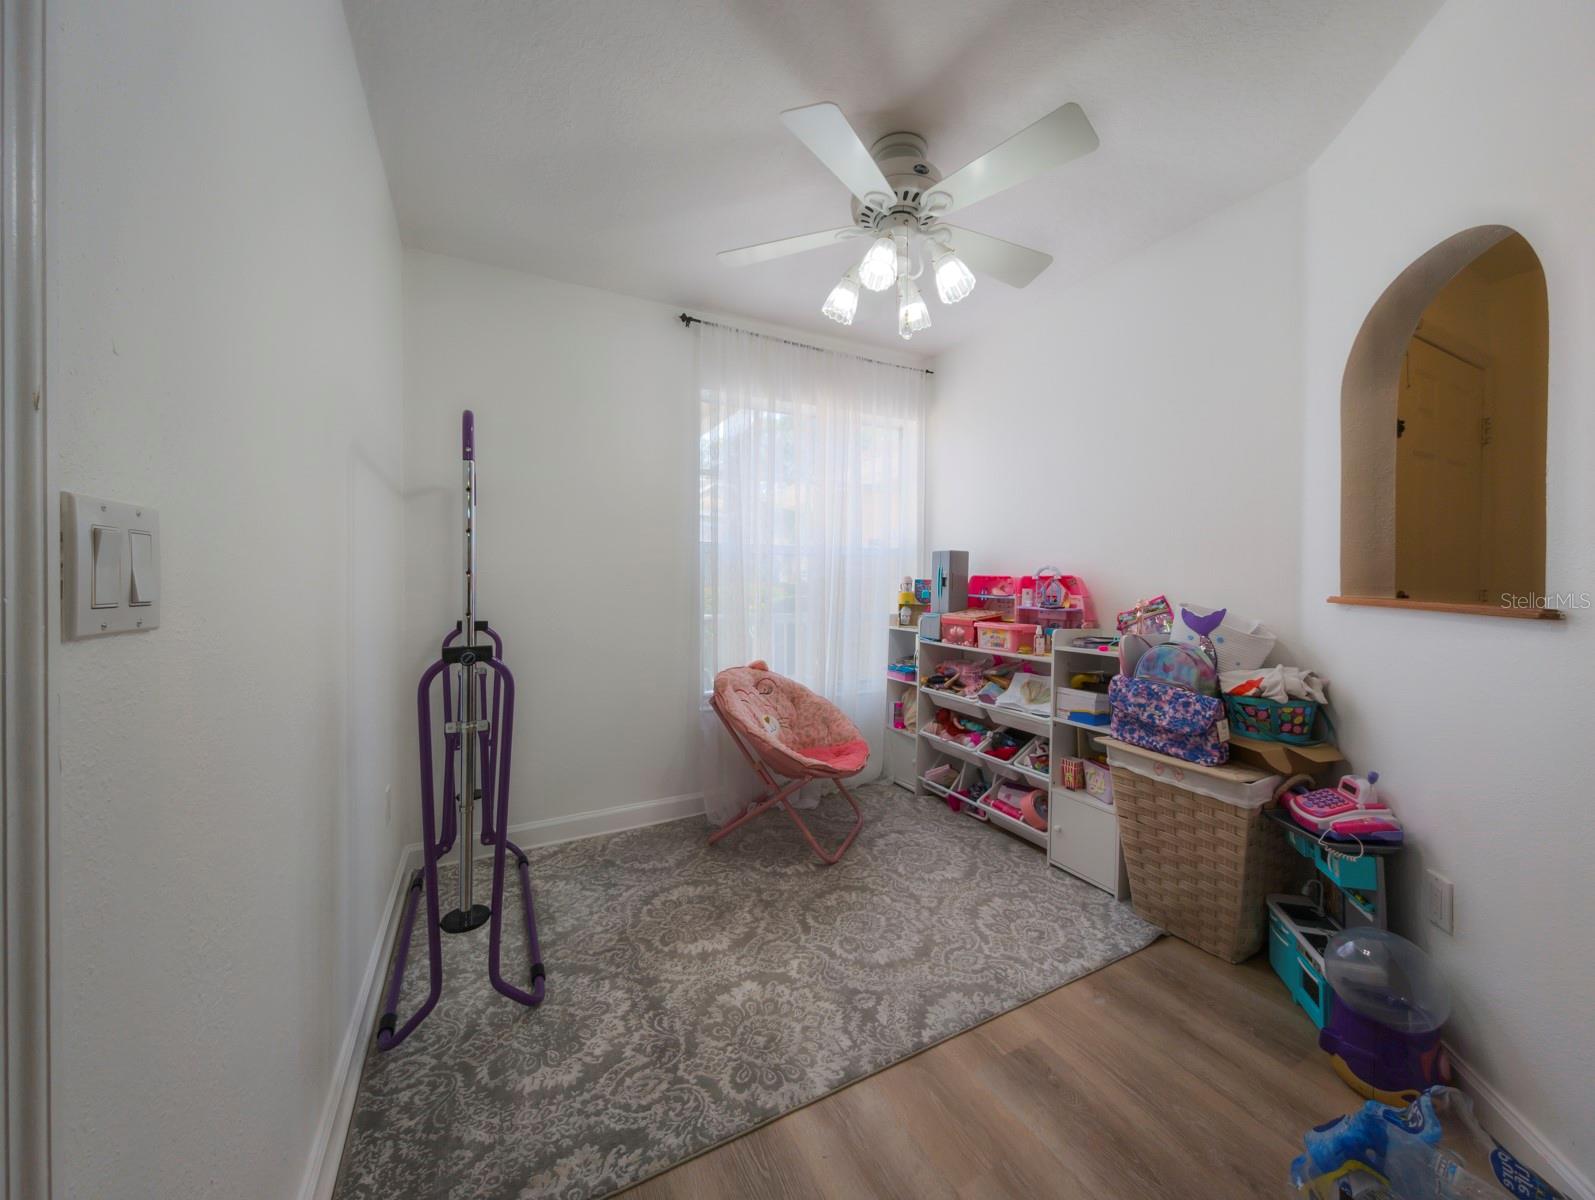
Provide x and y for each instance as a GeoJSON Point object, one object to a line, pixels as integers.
{"type": "Point", "coordinates": [1200, 868]}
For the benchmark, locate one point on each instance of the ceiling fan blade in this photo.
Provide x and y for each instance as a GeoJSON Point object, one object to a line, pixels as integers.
{"type": "Point", "coordinates": [765, 251]}
{"type": "Point", "coordinates": [825, 131]}
{"type": "Point", "coordinates": [1058, 137]}
{"type": "Point", "coordinates": [985, 255]}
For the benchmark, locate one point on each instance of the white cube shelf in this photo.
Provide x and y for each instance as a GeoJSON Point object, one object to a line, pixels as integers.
{"type": "Point", "coordinates": [1082, 836]}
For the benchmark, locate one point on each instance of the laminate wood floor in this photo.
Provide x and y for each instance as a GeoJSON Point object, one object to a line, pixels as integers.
{"type": "Point", "coordinates": [1168, 1074]}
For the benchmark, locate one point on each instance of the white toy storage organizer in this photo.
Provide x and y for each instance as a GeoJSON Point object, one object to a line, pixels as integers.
{"type": "Point", "coordinates": [1083, 833]}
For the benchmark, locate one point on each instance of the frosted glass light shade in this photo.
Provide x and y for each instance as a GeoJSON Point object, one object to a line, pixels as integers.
{"type": "Point", "coordinates": [842, 303]}
{"type": "Point", "coordinates": [954, 280]}
{"type": "Point", "coordinates": [878, 271]}
{"type": "Point", "coordinates": [912, 313]}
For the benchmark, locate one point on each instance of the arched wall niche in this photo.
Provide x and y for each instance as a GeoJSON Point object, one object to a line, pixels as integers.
{"type": "Point", "coordinates": [1370, 399]}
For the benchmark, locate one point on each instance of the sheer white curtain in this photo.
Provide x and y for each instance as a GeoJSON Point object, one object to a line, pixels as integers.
{"type": "Point", "coordinates": [809, 485]}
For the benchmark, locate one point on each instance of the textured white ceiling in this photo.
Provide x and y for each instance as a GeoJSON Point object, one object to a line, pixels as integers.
{"type": "Point", "coordinates": [621, 143]}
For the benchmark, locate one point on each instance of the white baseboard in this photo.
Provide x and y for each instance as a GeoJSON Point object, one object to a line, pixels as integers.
{"type": "Point", "coordinates": [553, 830]}
{"type": "Point", "coordinates": [327, 1150]}
{"type": "Point", "coordinates": [1515, 1131]}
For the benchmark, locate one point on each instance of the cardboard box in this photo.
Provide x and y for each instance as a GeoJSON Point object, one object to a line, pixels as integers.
{"type": "Point", "coordinates": [1279, 758]}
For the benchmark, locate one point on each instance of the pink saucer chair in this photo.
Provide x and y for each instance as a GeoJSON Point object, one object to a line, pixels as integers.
{"type": "Point", "coordinates": [783, 729]}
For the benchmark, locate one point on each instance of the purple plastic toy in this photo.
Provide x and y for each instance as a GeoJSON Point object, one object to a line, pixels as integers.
{"type": "Point", "coordinates": [1390, 1007]}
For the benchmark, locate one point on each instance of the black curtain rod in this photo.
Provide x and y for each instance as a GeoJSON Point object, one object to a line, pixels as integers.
{"type": "Point", "coordinates": [689, 321]}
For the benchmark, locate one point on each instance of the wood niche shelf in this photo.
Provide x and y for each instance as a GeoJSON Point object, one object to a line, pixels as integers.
{"type": "Point", "coordinates": [1467, 610]}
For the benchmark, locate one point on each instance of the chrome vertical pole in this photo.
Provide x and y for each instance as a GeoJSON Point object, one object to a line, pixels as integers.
{"type": "Point", "coordinates": [468, 705]}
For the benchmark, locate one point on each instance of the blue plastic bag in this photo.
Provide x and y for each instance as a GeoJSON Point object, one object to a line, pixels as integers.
{"type": "Point", "coordinates": [1434, 1149]}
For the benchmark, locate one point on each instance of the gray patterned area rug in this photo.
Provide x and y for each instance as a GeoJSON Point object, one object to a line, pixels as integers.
{"type": "Point", "coordinates": [696, 993]}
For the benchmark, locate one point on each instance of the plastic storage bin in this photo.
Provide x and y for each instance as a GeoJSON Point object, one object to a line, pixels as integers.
{"type": "Point", "coordinates": [1012, 636]}
{"type": "Point", "coordinates": [958, 628]}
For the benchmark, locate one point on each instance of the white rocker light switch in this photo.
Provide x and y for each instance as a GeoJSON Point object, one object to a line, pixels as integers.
{"type": "Point", "coordinates": [108, 543]}
{"type": "Point", "coordinates": [146, 586]}
{"type": "Point", "coordinates": [110, 567]}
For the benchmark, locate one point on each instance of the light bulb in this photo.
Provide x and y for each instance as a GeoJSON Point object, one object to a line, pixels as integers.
{"type": "Point", "coordinates": [842, 303]}
{"type": "Point", "coordinates": [954, 280]}
{"type": "Point", "coordinates": [912, 314]}
{"type": "Point", "coordinates": [879, 268]}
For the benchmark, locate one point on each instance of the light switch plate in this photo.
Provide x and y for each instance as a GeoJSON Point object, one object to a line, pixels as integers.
{"type": "Point", "coordinates": [120, 544]}
{"type": "Point", "coordinates": [1439, 901]}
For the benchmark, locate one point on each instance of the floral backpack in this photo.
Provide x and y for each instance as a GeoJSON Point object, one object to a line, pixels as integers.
{"type": "Point", "coordinates": [1170, 720]}
{"type": "Point", "coordinates": [1172, 705]}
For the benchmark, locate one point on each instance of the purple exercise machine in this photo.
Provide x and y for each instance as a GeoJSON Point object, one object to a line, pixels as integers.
{"type": "Point", "coordinates": [476, 767]}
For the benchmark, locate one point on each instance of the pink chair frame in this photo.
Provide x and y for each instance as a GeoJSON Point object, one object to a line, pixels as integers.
{"type": "Point", "coordinates": [780, 793]}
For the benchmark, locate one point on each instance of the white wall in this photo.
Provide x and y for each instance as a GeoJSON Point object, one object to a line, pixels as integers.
{"type": "Point", "coordinates": [587, 522]}
{"type": "Point", "coordinates": [1222, 350]}
{"type": "Point", "coordinates": [1165, 392]}
{"type": "Point", "coordinates": [1476, 724]}
{"type": "Point", "coordinates": [224, 342]}
{"type": "Point", "coordinates": [587, 428]}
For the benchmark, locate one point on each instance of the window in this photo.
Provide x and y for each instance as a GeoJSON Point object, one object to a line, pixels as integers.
{"type": "Point", "coordinates": [809, 511]}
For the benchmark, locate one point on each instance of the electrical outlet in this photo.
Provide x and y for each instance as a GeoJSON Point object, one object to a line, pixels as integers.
{"type": "Point", "coordinates": [1439, 900]}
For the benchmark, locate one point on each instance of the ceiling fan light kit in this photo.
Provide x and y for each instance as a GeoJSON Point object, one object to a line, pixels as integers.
{"type": "Point", "coordinates": [899, 200]}
{"type": "Point", "coordinates": [913, 314]}
{"type": "Point", "coordinates": [842, 303]}
{"type": "Point", "coordinates": [954, 280]}
{"type": "Point", "coordinates": [878, 271]}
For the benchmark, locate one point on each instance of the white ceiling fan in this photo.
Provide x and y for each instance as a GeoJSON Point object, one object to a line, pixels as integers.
{"type": "Point", "coordinates": [899, 200]}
